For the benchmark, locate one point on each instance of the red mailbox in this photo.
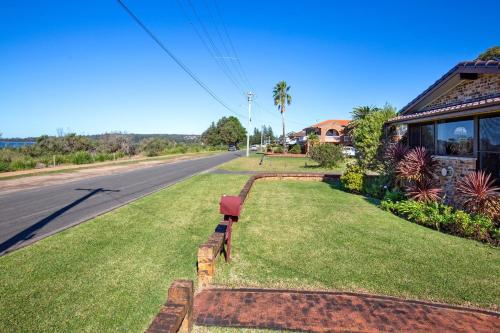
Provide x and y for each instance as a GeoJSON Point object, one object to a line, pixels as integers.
{"type": "Point", "coordinates": [230, 207]}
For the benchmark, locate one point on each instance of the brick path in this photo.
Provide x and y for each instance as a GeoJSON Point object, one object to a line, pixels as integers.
{"type": "Point", "coordinates": [334, 312]}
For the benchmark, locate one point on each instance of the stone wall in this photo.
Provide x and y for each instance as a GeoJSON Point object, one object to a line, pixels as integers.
{"type": "Point", "coordinates": [485, 85]}
{"type": "Point", "coordinates": [456, 167]}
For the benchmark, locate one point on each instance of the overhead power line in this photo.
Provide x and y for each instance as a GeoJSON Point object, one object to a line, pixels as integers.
{"type": "Point", "coordinates": [216, 5]}
{"type": "Point", "coordinates": [177, 60]}
{"type": "Point", "coordinates": [216, 59]}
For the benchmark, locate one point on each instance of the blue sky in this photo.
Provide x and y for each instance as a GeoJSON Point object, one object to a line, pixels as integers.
{"type": "Point", "coordinates": [85, 66]}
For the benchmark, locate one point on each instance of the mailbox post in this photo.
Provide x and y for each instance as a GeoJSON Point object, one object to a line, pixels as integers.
{"type": "Point", "coordinates": [230, 207]}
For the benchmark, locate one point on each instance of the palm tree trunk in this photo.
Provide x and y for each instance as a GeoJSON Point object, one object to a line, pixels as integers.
{"type": "Point", "coordinates": [283, 123]}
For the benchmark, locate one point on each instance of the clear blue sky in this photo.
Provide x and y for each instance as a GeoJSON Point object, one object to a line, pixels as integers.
{"type": "Point", "coordinates": [87, 67]}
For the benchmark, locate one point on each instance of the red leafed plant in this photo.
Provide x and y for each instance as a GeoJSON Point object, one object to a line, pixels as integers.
{"type": "Point", "coordinates": [424, 190]}
{"type": "Point", "coordinates": [477, 194]}
{"type": "Point", "coordinates": [395, 154]}
{"type": "Point", "coordinates": [417, 165]}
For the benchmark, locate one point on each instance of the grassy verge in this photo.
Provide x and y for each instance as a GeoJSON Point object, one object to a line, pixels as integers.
{"type": "Point", "coordinates": [309, 235]}
{"type": "Point", "coordinates": [282, 164]}
{"type": "Point", "coordinates": [112, 274]}
{"type": "Point", "coordinates": [74, 168]}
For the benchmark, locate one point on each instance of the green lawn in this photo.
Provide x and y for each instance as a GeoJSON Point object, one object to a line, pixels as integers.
{"type": "Point", "coordinates": [309, 235]}
{"type": "Point", "coordinates": [112, 274]}
{"type": "Point", "coordinates": [274, 163]}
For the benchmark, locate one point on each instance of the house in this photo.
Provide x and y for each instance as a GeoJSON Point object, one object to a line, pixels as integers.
{"type": "Point", "coordinates": [330, 131]}
{"type": "Point", "coordinates": [299, 137]}
{"type": "Point", "coordinates": [457, 119]}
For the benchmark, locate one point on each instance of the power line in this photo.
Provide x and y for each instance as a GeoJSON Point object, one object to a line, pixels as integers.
{"type": "Point", "coordinates": [209, 50]}
{"type": "Point", "coordinates": [275, 115]}
{"type": "Point", "coordinates": [211, 41]}
{"type": "Point", "coordinates": [216, 5]}
{"type": "Point", "coordinates": [177, 61]}
{"type": "Point", "coordinates": [217, 30]}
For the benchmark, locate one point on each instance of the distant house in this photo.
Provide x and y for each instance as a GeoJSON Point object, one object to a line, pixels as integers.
{"type": "Point", "coordinates": [458, 119]}
{"type": "Point", "coordinates": [330, 131]}
{"type": "Point", "coordinates": [297, 138]}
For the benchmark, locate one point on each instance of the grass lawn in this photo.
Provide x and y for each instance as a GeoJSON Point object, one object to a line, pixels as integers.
{"type": "Point", "coordinates": [296, 234]}
{"type": "Point", "coordinates": [112, 274]}
{"type": "Point", "coordinates": [282, 164]}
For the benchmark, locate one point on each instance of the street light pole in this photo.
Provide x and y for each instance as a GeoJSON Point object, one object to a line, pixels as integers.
{"type": "Point", "coordinates": [249, 95]}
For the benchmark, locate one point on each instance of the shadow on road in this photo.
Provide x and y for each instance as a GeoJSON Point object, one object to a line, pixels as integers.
{"type": "Point", "coordinates": [30, 232]}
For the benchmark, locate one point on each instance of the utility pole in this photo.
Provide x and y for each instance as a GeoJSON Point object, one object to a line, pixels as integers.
{"type": "Point", "coordinates": [249, 95]}
{"type": "Point", "coordinates": [261, 138]}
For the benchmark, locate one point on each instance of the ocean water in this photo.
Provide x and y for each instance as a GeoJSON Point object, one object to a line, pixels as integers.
{"type": "Point", "coordinates": [14, 144]}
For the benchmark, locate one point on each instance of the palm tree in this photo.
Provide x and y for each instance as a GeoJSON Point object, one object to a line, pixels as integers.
{"type": "Point", "coordinates": [282, 98]}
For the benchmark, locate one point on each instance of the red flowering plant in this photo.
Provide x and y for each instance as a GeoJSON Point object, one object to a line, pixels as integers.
{"type": "Point", "coordinates": [477, 194]}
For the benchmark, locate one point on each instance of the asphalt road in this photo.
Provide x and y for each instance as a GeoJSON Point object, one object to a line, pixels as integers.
{"type": "Point", "coordinates": [29, 215]}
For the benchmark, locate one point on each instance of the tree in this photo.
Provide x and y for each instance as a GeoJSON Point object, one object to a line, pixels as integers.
{"type": "Point", "coordinates": [367, 132]}
{"type": "Point", "coordinates": [227, 131]}
{"type": "Point", "coordinates": [281, 99]}
{"type": "Point", "coordinates": [255, 137]}
{"type": "Point", "coordinates": [230, 130]}
{"type": "Point", "coordinates": [493, 53]}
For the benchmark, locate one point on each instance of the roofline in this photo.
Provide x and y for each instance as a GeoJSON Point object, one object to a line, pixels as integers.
{"type": "Point", "coordinates": [475, 67]}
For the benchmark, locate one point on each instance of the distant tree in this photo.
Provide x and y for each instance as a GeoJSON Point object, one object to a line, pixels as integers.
{"type": "Point", "coordinates": [366, 130]}
{"type": "Point", "coordinates": [211, 136]}
{"type": "Point", "coordinates": [281, 99]}
{"type": "Point", "coordinates": [268, 133]}
{"type": "Point", "coordinates": [493, 53]}
{"type": "Point", "coordinates": [256, 136]}
{"type": "Point", "coordinates": [228, 130]}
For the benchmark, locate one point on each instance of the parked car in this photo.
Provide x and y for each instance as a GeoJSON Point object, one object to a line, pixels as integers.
{"type": "Point", "coordinates": [349, 151]}
{"type": "Point", "coordinates": [254, 148]}
{"type": "Point", "coordinates": [232, 148]}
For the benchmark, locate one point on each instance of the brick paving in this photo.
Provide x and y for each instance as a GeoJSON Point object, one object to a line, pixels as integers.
{"type": "Point", "coordinates": [334, 312]}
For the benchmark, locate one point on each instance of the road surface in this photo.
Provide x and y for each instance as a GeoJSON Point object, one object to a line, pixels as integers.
{"type": "Point", "coordinates": [29, 215]}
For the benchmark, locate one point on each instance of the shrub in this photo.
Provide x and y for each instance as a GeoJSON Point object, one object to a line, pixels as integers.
{"type": "Point", "coordinates": [22, 164]}
{"type": "Point", "coordinates": [4, 166]}
{"type": "Point", "coordinates": [296, 149]}
{"type": "Point", "coordinates": [81, 157]}
{"type": "Point", "coordinates": [103, 157]}
{"type": "Point", "coordinates": [417, 164]}
{"type": "Point", "coordinates": [352, 179]}
{"type": "Point", "coordinates": [376, 187]}
{"type": "Point", "coordinates": [477, 194]}
{"type": "Point", "coordinates": [394, 154]}
{"type": "Point", "coordinates": [424, 190]}
{"type": "Point", "coordinates": [442, 217]}
{"type": "Point", "coordinates": [327, 155]}
{"type": "Point", "coordinates": [278, 150]}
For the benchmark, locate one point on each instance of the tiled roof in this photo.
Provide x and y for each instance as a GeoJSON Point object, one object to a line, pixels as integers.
{"type": "Point", "coordinates": [448, 109]}
{"type": "Point", "coordinates": [341, 122]}
{"type": "Point", "coordinates": [466, 67]}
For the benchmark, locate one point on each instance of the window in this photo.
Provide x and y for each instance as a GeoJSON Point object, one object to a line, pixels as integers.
{"type": "Point", "coordinates": [422, 135]}
{"type": "Point", "coordinates": [332, 132]}
{"type": "Point", "coordinates": [489, 145]}
{"type": "Point", "coordinates": [456, 138]}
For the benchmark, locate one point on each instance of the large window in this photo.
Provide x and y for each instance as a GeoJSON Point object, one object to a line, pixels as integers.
{"type": "Point", "coordinates": [489, 145]}
{"type": "Point", "coordinates": [422, 135]}
{"type": "Point", "coordinates": [456, 138]}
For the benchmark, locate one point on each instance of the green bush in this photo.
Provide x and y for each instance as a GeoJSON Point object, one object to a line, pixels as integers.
{"type": "Point", "coordinates": [22, 164]}
{"type": "Point", "coordinates": [376, 186]}
{"type": "Point", "coordinates": [101, 157]}
{"type": "Point", "coordinates": [352, 179]}
{"type": "Point", "coordinates": [327, 155]}
{"type": "Point", "coordinates": [444, 218]}
{"type": "Point", "coordinates": [278, 150]}
{"type": "Point", "coordinates": [81, 157]}
{"type": "Point", "coordinates": [296, 149]}
{"type": "Point", "coordinates": [4, 166]}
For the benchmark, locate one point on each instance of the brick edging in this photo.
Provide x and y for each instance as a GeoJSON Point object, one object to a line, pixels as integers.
{"type": "Point", "coordinates": [177, 313]}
